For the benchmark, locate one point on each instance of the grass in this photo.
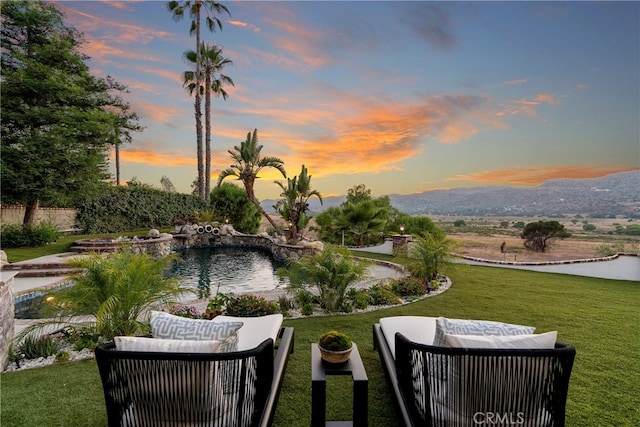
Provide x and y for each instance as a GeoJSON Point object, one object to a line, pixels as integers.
{"type": "Point", "coordinates": [599, 317]}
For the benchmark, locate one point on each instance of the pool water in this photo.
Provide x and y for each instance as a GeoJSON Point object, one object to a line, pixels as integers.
{"type": "Point", "coordinates": [228, 270]}
{"type": "Point", "coordinates": [206, 270]}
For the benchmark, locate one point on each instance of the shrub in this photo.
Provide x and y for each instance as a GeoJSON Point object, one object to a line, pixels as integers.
{"type": "Point", "coordinates": [330, 274]}
{"type": "Point", "coordinates": [34, 347]}
{"type": "Point", "coordinates": [83, 337]}
{"type": "Point", "coordinates": [307, 309]}
{"type": "Point", "coordinates": [361, 299]}
{"type": "Point", "coordinates": [303, 298]}
{"type": "Point", "coordinates": [62, 356]}
{"type": "Point", "coordinates": [27, 235]}
{"type": "Point", "coordinates": [383, 295]}
{"type": "Point", "coordinates": [409, 287]}
{"type": "Point", "coordinates": [285, 304]}
{"type": "Point", "coordinates": [119, 290]}
{"type": "Point", "coordinates": [247, 305]}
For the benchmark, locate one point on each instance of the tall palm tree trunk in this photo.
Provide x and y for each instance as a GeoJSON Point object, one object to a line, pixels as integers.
{"type": "Point", "coordinates": [207, 118]}
{"type": "Point", "coordinates": [117, 150]}
{"type": "Point", "coordinates": [199, 105]}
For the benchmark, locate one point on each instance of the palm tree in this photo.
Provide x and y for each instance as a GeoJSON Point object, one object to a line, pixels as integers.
{"type": "Point", "coordinates": [328, 275]}
{"type": "Point", "coordinates": [248, 163]}
{"type": "Point", "coordinates": [120, 291]}
{"type": "Point", "coordinates": [212, 63]}
{"type": "Point", "coordinates": [193, 7]}
{"type": "Point", "coordinates": [427, 254]}
{"type": "Point", "coordinates": [362, 220]}
{"type": "Point", "coordinates": [294, 203]}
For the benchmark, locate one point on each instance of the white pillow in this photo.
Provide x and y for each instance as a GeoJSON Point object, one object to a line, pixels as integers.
{"type": "Point", "coordinates": [476, 327]}
{"type": "Point", "coordinates": [537, 341]}
{"type": "Point", "coordinates": [165, 345]}
{"type": "Point", "coordinates": [255, 329]}
{"type": "Point", "coordinates": [169, 326]}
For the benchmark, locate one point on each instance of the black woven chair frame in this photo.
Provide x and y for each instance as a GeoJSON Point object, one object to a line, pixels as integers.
{"type": "Point", "coordinates": [442, 386]}
{"type": "Point", "coordinates": [194, 389]}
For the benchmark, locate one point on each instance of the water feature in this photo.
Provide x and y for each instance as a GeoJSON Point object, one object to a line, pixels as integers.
{"type": "Point", "coordinates": [234, 270]}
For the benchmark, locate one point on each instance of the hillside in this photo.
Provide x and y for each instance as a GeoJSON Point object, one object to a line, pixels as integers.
{"type": "Point", "coordinates": [616, 195]}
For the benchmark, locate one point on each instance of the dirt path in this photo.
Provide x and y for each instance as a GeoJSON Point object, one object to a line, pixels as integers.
{"type": "Point", "coordinates": [488, 247]}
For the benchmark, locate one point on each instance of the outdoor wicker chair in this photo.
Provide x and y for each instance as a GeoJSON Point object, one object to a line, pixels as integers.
{"type": "Point", "coordinates": [234, 389]}
{"type": "Point", "coordinates": [447, 386]}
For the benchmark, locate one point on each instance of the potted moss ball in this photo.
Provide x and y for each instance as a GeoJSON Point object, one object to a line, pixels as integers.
{"type": "Point", "coordinates": [335, 347]}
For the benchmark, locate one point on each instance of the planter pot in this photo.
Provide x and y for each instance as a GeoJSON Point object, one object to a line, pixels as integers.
{"type": "Point", "coordinates": [335, 356]}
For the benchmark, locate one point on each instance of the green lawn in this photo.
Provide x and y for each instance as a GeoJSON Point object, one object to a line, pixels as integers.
{"type": "Point", "coordinates": [599, 317]}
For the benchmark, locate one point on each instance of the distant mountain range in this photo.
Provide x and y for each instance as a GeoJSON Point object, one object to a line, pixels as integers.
{"type": "Point", "coordinates": [616, 195]}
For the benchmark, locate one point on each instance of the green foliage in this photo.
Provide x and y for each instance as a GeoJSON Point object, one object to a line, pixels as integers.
{"type": "Point", "coordinates": [307, 309]}
{"type": "Point", "coordinates": [459, 223]}
{"type": "Point", "coordinates": [231, 204]}
{"type": "Point", "coordinates": [329, 275]}
{"type": "Point", "coordinates": [116, 209]}
{"type": "Point", "coordinates": [409, 287]}
{"type": "Point", "coordinates": [33, 347]}
{"type": "Point", "coordinates": [519, 225]}
{"type": "Point", "coordinates": [247, 305]}
{"type": "Point", "coordinates": [364, 221]}
{"type": "Point", "coordinates": [360, 298]}
{"type": "Point", "coordinates": [629, 230]}
{"type": "Point", "coordinates": [293, 205]}
{"type": "Point", "coordinates": [62, 356]}
{"type": "Point", "coordinates": [589, 227]}
{"type": "Point", "coordinates": [27, 235]}
{"type": "Point", "coordinates": [358, 194]}
{"type": "Point", "coordinates": [120, 291]}
{"type": "Point", "coordinates": [383, 295]}
{"type": "Point", "coordinates": [335, 341]}
{"type": "Point", "coordinates": [537, 235]}
{"type": "Point", "coordinates": [248, 162]}
{"type": "Point", "coordinates": [82, 336]}
{"type": "Point", "coordinates": [412, 224]}
{"type": "Point", "coordinates": [427, 254]}
{"type": "Point", "coordinates": [56, 125]}
{"type": "Point", "coordinates": [606, 250]}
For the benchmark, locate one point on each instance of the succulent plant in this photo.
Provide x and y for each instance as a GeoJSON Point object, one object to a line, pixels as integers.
{"type": "Point", "coordinates": [335, 341]}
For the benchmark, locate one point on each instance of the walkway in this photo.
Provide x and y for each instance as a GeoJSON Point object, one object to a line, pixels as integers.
{"type": "Point", "coordinates": [623, 267]}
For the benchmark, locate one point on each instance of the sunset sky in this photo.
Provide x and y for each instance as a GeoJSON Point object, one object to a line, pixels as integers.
{"type": "Point", "coordinates": [403, 97]}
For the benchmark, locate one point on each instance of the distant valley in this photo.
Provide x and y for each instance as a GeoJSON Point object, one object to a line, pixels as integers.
{"type": "Point", "coordinates": [616, 195]}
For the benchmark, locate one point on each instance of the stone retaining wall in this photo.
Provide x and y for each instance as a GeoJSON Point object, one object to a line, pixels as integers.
{"type": "Point", "coordinates": [226, 236]}
{"type": "Point", "coordinates": [6, 316]}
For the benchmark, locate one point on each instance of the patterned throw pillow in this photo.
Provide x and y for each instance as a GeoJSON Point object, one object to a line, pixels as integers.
{"type": "Point", "coordinates": [475, 327]}
{"type": "Point", "coordinates": [169, 326]}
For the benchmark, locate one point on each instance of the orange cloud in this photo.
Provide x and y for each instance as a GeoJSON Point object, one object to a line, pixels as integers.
{"type": "Point", "coordinates": [537, 175]}
{"type": "Point", "coordinates": [152, 158]}
{"type": "Point", "coordinates": [527, 106]}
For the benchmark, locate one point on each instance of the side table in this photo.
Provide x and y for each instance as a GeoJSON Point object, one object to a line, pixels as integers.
{"type": "Point", "coordinates": [319, 371]}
